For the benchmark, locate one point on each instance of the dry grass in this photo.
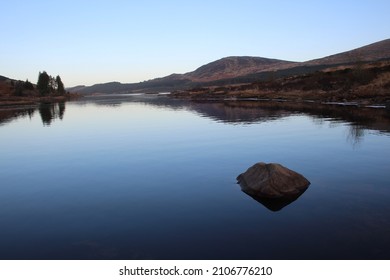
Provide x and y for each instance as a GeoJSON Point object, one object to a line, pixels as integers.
{"type": "Point", "coordinates": [367, 83]}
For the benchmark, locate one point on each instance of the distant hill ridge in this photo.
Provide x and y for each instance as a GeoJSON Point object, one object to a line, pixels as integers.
{"type": "Point", "coordinates": [376, 51]}
{"type": "Point", "coordinates": [238, 69]}
{"type": "Point", "coordinates": [234, 66]}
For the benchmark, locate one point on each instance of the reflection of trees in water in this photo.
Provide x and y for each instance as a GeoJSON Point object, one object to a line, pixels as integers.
{"type": "Point", "coordinates": [49, 112]}
{"type": "Point", "coordinates": [355, 134]}
{"type": "Point", "coordinates": [45, 111]}
{"type": "Point", "coordinates": [61, 109]}
{"type": "Point", "coordinates": [318, 121]}
{"type": "Point", "coordinates": [7, 115]}
{"type": "Point", "coordinates": [30, 112]}
{"type": "Point", "coordinates": [355, 131]}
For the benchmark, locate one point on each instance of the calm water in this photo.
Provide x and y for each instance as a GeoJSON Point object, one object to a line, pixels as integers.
{"type": "Point", "coordinates": [140, 177]}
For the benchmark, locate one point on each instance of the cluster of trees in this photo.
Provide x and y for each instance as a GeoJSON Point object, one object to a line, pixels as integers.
{"type": "Point", "coordinates": [50, 85]}
{"type": "Point", "coordinates": [20, 87]}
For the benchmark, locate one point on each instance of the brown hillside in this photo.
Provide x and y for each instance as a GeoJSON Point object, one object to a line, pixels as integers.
{"type": "Point", "coordinates": [368, 83]}
{"type": "Point", "coordinates": [376, 51]}
{"type": "Point", "coordinates": [234, 66]}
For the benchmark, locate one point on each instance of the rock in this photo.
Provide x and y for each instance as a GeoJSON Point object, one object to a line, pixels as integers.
{"type": "Point", "coordinates": [272, 180]}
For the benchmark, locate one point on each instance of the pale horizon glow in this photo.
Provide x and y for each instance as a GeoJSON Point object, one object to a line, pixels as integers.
{"type": "Point", "coordinates": [89, 42]}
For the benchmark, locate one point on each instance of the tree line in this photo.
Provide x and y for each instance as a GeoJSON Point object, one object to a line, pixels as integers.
{"type": "Point", "coordinates": [46, 85]}
{"type": "Point", "coordinates": [20, 87]}
{"type": "Point", "coordinates": [49, 85]}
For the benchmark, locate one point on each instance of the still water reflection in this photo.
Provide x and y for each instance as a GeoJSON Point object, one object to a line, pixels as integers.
{"type": "Point", "coordinates": [146, 177]}
{"type": "Point", "coordinates": [276, 204]}
{"type": "Point", "coordinates": [49, 112]}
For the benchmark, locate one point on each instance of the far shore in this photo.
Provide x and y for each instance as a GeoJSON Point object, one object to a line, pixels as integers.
{"type": "Point", "coordinates": [295, 96]}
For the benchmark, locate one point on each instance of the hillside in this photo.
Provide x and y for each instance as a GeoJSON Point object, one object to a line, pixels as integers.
{"type": "Point", "coordinates": [366, 83]}
{"type": "Point", "coordinates": [373, 52]}
{"type": "Point", "coordinates": [234, 66]}
{"type": "Point", "coordinates": [225, 68]}
{"type": "Point", "coordinates": [243, 69]}
{"type": "Point", "coordinates": [76, 88]}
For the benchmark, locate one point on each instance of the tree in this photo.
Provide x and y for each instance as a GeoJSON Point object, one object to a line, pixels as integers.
{"type": "Point", "coordinates": [60, 85]}
{"type": "Point", "coordinates": [52, 84]}
{"type": "Point", "coordinates": [28, 85]}
{"type": "Point", "coordinates": [43, 84]}
{"type": "Point", "coordinates": [48, 84]}
{"type": "Point", "coordinates": [19, 88]}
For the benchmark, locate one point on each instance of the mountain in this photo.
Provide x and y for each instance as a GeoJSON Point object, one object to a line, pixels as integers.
{"type": "Point", "coordinates": [225, 68]}
{"type": "Point", "coordinates": [76, 88]}
{"type": "Point", "coordinates": [233, 66]}
{"type": "Point", "coordinates": [243, 69]}
{"type": "Point", "coordinates": [373, 52]}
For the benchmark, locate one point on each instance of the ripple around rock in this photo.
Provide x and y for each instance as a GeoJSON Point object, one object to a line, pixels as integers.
{"type": "Point", "coordinates": [272, 180]}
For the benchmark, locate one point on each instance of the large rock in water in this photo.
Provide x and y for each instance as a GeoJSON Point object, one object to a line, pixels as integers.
{"type": "Point", "coordinates": [272, 180]}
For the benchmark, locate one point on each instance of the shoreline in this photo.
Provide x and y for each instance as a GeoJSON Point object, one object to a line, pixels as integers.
{"type": "Point", "coordinates": [360, 100]}
{"type": "Point", "coordinates": [382, 103]}
{"type": "Point", "coordinates": [6, 101]}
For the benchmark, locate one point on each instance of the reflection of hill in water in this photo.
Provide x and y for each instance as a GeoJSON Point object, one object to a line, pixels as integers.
{"type": "Point", "coordinates": [358, 119]}
{"type": "Point", "coordinates": [232, 112]}
{"type": "Point", "coordinates": [239, 112]}
{"type": "Point", "coordinates": [235, 113]}
{"type": "Point", "coordinates": [255, 111]}
{"type": "Point", "coordinates": [155, 100]}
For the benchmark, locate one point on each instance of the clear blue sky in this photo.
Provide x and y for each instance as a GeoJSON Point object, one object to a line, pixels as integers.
{"type": "Point", "coordinates": [88, 42]}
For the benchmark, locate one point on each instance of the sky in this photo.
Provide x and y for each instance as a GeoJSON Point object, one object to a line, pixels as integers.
{"type": "Point", "coordinates": [89, 42]}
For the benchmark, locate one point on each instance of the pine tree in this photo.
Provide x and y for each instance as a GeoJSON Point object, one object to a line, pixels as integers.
{"type": "Point", "coordinates": [60, 85]}
{"type": "Point", "coordinates": [43, 83]}
{"type": "Point", "coordinates": [52, 84]}
{"type": "Point", "coordinates": [28, 85]}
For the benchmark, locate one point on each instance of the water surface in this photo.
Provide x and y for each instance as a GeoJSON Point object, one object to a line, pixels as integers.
{"type": "Point", "coordinates": [146, 177]}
